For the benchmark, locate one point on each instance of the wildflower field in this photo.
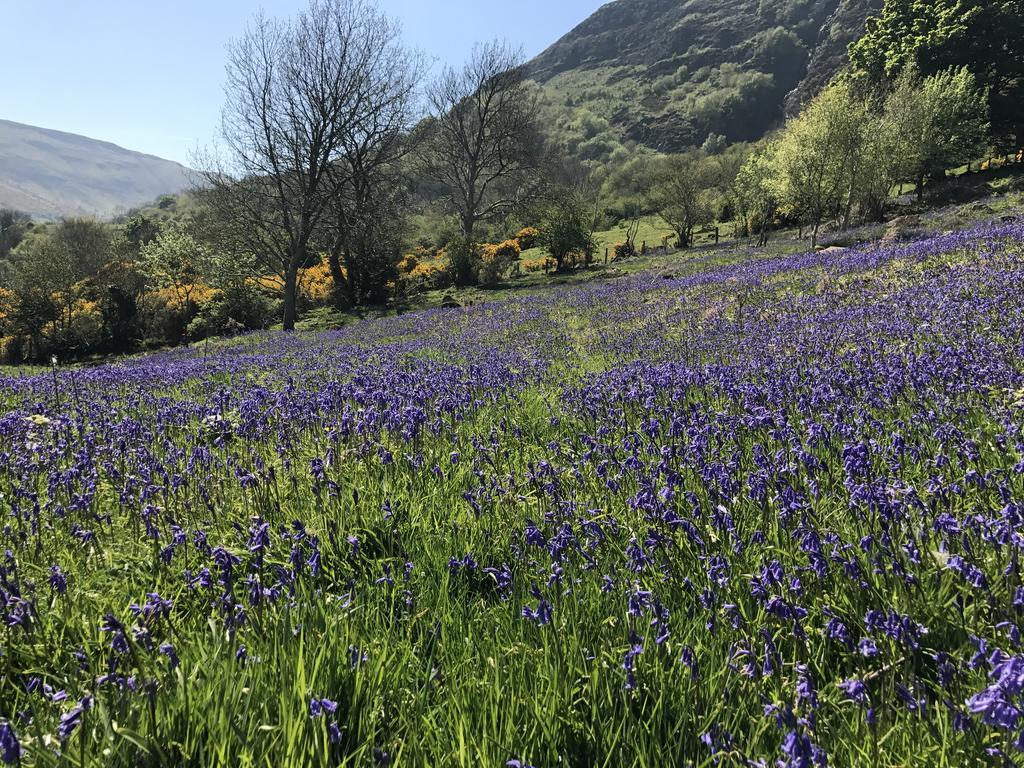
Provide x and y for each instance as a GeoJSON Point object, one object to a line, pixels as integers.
{"type": "Point", "coordinates": [762, 513]}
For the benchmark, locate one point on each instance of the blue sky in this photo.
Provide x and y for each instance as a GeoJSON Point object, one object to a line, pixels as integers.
{"type": "Point", "coordinates": [148, 75]}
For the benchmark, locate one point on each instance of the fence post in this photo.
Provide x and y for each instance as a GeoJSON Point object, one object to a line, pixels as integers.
{"type": "Point", "coordinates": [606, 255]}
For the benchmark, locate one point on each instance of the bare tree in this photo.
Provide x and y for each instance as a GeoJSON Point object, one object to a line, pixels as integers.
{"type": "Point", "coordinates": [484, 145]}
{"type": "Point", "coordinates": [296, 90]}
{"type": "Point", "coordinates": [368, 184]}
{"type": "Point", "coordinates": [684, 194]}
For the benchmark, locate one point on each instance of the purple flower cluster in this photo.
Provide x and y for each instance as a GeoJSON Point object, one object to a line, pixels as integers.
{"type": "Point", "coordinates": [778, 501]}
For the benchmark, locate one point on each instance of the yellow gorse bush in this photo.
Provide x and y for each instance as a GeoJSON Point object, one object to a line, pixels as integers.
{"type": "Point", "coordinates": [7, 299]}
{"type": "Point", "coordinates": [542, 264]}
{"type": "Point", "coordinates": [527, 238]}
{"type": "Point", "coordinates": [316, 285]}
{"type": "Point", "coordinates": [176, 297]}
{"type": "Point", "coordinates": [408, 263]}
{"type": "Point", "coordinates": [507, 251]}
{"type": "Point", "coordinates": [428, 270]}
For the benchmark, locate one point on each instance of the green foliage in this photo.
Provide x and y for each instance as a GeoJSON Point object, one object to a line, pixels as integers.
{"type": "Point", "coordinates": [495, 260]}
{"type": "Point", "coordinates": [13, 228]}
{"type": "Point", "coordinates": [462, 261]}
{"type": "Point", "coordinates": [176, 259]}
{"type": "Point", "coordinates": [52, 276]}
{"type": "Point", "coordinates": [756, 191]}
{"type": "Point", "coordinates": [568, 228]}
{"type": "Point", "coordinates": [820, 154]}
{"type": "Point", "coordinates": [140, 230]}
{"type": "Point", "coordinates": [933, 36]}
{"type": "Point", "coordinates": [625, 187]}
{"type": "Point", "coordinates": [237, 308]}
{"type": "Point", "coordinates": [684, 193]}
{"type": "Point", "coordinates": [846, 150]}
{"type": "Point", "coordinates": [937, 123]}
{"type": "Point", "coordinates": [665, 76]}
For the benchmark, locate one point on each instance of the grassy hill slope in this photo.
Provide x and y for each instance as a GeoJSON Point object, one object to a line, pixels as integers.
{"type": "Point", "coordinates": [50, 174]}
{"type": "Point", "coordinates": [665, 74]}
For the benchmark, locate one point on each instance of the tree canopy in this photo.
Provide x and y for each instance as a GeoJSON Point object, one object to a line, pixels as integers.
{"type": "Point", "coordinates": [986, 36]}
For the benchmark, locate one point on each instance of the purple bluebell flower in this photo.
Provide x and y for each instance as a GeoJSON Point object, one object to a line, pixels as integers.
{"type": "Point", "coordinates": [10, 749]}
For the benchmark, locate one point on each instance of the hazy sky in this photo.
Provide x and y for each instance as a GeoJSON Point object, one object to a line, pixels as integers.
{"type": "Point", "coordinates": [148, 74]}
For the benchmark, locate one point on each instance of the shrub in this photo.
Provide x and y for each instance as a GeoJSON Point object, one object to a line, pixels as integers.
{"type": "Point", "coordinates": [542, 264]}
{"type": "Point", "coordinates": [463, 260]}
{"type": "Point", "coordinates": [625, 250]}
{"type": "Point", "coordinates": [84, 330]}
{"type": "Point", "coordinates": [8, 302]}
{"type": "Point", "coordinates": [316, 286]}
{"type": "Point", "coordinates": [167, 312]}
{"type": "Point", "coordinates": [241, 307]}
{"type": "Point", "coordinates": [528, 238]}
{"type": "Point", "coordinates": [13, 349]}
{"type": "Point", "coordinates": [408, 263]}
{"type": "Point", "coordinates": [495, 260]}
{"type": "Point", "coordinates": [427, 276]}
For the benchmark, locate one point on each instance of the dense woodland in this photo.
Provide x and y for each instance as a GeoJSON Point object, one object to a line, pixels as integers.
{"type": "Point", "coordinates": [345, 177]}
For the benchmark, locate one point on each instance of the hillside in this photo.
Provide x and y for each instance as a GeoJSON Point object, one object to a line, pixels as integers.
{"type": "Point", "coordinates": [737, 509]}
{"type": "Point", "coordinates": [50, 174]}
{"type": "Point", "coordinates": [665, 74]}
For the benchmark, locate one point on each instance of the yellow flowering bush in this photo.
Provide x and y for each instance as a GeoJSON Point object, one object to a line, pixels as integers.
{"type": "Point", "coordinates": [408, 263]}
{"type": "Point", "coordinates": [542, 264]}
{"type": "Point", "coordinates": [85, 326]}
{"type": "Point", "coordinates": [166, 312]}
{"type": "Point", "coordinates": [7, 300]}
{"type": "Point", "coordinates": [624, 250]}
{"type": "Point", "coordinates": [316, 285]}
{"type": "Point", "coordinates": [495, 260]}
{"type": "Point", "coordinates": [425, 276]}
{"type": "Point", "coordinates": [12, 349]}
{"type": "Point", "coordinates": [527, 237]}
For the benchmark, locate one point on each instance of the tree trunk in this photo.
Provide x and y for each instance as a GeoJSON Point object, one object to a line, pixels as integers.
{"type": "Point", "coordinates": [291, 286]}
{"type": "Point", "coordinates": [920, 188]}
{"type": "Point", "coordinates": [338, 278]}
{"type": "Point", "coordinates": [352, 284]}
{"type": "Point", "coordinates": [814, 235]}
{"type": "Point", "coordinates": [848, 211]}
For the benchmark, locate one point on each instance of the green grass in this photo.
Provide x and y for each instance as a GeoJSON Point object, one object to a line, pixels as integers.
{"type": "Point", "coordinates": [452, 675]}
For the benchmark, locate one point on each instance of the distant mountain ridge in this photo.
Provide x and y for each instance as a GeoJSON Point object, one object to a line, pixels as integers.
{"type": "Point", "coordinates": [667, 73]}
{"type": "Point", "coordinates": [52, 174]}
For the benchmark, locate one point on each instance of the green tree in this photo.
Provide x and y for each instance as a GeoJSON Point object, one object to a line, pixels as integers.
{"type": "Point", "coordinates": [14, 225]}
{"type": "Point", "coordinates": [756, 192]}
{"type": "Point", "coordinates": [684, 193]}
{"type": "Point", "coordinates": [140, 230]}
{"type": "Point", "coordinates": [821, 156]}
{"type": "Point", "coordinates": [88, 246]}
{"type": "Point", "coordinates": [568, 226]}
{"type": "Point", "coordinates": [177, 260]}
{"type": "Point", "coordinates": [934, 124]}
{"type": "Point", "coordinates": [986, 36]}
{"type": "Point", "coordinates": [43, 282]}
